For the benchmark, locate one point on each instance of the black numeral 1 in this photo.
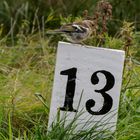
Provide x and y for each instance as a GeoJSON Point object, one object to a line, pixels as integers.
{"type": "Point", "coordinates": [70, 89]}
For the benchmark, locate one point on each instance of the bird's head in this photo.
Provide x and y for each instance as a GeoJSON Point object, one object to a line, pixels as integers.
{"type": "Point", "coordinates": [91, 25]}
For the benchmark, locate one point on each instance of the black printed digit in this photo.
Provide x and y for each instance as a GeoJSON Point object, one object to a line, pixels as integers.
{"type": "Point", "coordinates": [70, 89]}
{"type": "Point", "coordinates": [108, 101]}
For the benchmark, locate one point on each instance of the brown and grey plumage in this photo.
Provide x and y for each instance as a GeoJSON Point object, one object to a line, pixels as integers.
{"type": "Point", "coordinates": [77, 32]}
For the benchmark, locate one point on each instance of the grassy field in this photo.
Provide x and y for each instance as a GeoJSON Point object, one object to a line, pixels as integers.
{"type": "Point", "coordinates": [27, 68]}
{"type": "Point", "coordinates": [27, 62]}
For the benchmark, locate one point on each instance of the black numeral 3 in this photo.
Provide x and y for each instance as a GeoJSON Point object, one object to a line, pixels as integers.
{"type": "Point", "coordinates": [108, 101]}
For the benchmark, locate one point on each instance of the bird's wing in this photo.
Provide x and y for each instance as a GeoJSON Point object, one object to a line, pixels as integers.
{"type": "Point", "coordinates": [67, 28]}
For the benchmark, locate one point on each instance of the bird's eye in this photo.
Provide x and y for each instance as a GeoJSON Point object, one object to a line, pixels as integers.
{"type": "Point", "coordinates": [76, 29]}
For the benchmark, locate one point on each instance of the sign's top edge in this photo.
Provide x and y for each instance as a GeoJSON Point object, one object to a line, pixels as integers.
{"type": "Point", "coordinates": [90, 47]}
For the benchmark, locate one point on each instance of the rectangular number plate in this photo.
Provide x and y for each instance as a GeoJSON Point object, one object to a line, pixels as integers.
{"type": "Point", "coordinates": [96, 73]}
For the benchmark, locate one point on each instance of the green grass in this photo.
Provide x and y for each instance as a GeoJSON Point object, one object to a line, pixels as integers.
{"type": "Point", "coordinates": [27, 68]}
{"type": "Point", "coordinates": [24, 71]}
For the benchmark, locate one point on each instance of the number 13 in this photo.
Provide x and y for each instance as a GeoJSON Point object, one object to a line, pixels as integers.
{"type": "Point", "coordinates": [70, 91]}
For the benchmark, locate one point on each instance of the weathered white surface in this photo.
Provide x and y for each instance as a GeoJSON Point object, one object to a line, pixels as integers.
{"type": "Point", "coordinates": [87, 60]}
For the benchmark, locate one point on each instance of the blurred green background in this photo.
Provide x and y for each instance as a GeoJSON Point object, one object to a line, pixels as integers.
{"type": "Point", "coordinates": [28, 57]}
{"type": "Point", "coordinates": [49, 12]}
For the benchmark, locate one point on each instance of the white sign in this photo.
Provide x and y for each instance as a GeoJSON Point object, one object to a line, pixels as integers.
{"type": "Point", "coordinates": [94, 72]}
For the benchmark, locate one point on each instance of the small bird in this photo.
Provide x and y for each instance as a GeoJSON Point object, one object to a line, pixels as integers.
{"type": "Point", "coordinates": [77, 32]}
